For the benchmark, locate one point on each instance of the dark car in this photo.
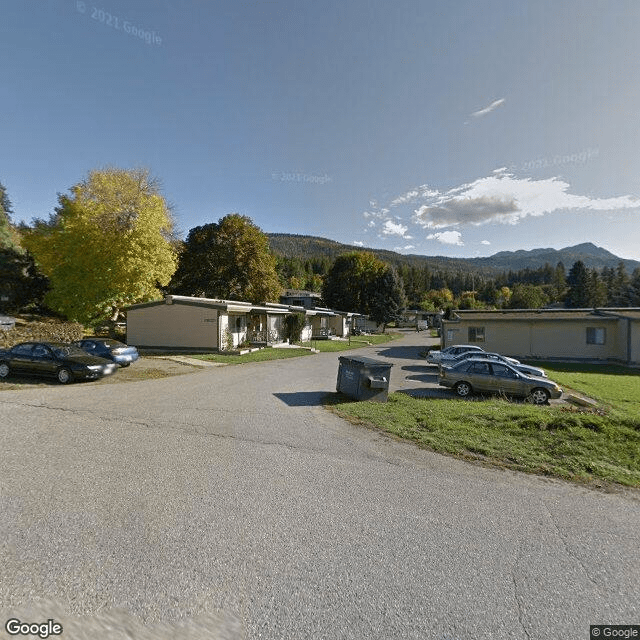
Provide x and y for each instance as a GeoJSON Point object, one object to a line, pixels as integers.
{"type": "Point", "coordinates": [489, 376]}
{"type": "Point", "coordinates": [65, 362]}
{"type": "Point", "coordinates": [118, 352]}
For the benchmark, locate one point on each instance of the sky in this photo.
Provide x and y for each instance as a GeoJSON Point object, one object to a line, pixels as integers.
{"type": "Point", "coordinates": [427, 127]}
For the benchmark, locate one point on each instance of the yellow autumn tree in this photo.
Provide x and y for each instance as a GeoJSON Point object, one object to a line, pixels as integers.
{"type": "Point", "coordinates": [108, 245]}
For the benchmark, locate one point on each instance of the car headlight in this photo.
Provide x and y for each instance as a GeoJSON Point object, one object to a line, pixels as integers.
{"type": "Point", "coordinates": [95, 367]}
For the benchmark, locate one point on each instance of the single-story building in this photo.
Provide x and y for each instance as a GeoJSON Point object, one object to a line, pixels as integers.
{"type": "Point", "coordinates": [301, 298]}
{"type": "Point", "coordinates": [321, 322]}
{"type": "Point", "coordinates": [418, 317]}
{"type": "Point", "coordinates": [366, 325]}
{"type": "Point", "coordinates": [185, 322]}
{"type": "Point", "coordinates": [608, 334]}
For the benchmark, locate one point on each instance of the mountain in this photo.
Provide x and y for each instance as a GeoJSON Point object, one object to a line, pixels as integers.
{"type": "Point", "coordinates": [592, 256]}
{"type": "Point", "coordinates": [309, 247]}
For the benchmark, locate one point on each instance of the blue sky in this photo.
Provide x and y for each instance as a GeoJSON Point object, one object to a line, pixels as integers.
{"type": "Point", "coordinates": [460, 129]}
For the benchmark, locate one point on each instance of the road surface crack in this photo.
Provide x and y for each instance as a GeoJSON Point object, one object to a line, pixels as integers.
{"type": "Point", "coordinates": [517, 597]}
{"type": "Point", "coordinates": [567, 549]}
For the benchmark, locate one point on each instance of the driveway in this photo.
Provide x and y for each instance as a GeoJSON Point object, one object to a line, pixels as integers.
{"type": "Point", "coordinates": [229, 504]}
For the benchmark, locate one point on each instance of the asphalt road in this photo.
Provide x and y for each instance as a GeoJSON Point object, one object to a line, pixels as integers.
{"type": "Point", "coordinates": [229, 504]}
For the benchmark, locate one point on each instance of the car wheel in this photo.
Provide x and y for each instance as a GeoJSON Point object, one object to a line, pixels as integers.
{"type": "Point", "coordinates": [4, 370]}
{"type": "Point", "coordinates": [64, 376]}
{"type": "Point", "coordinates": [463, 389]}
{"type": "Point", "coordinates": [539, 396]}
{"type": "Point", "coordinates": [125, 364]}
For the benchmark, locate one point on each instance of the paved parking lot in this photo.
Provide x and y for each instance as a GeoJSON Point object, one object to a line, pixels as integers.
{"type": "Point", "coordinates": [231, 493]}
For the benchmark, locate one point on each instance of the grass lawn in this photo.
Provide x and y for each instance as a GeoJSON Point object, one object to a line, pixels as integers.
{"type": "Point", "coordinates": [273, 353]}
{"type": "Point", "coordinates": [594, 446]}
{"type": "Point", "coordinates": [356, 342]}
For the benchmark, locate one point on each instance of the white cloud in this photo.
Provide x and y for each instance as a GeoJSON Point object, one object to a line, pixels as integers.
{"type": "Point", "coordinates": [391, 228]}
{"type": "Point", "coordinates": [447, 237]}
{"type": "Point", "coordinates": [357, 243]}
{"type": "Point", "coordinates": [505, 199]}
{"type": "Point", "coordinates": [483, 112]}
{"type": "Point", "coordinates": [405, 248]}
{"type": "Point", "coordinates": [485, 242]}
{"type": "Point", "coordinates": [421, 192]}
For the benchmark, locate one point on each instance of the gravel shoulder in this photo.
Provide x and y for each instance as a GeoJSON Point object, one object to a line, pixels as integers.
{"type": "Point", "coordinates": [146, 368]}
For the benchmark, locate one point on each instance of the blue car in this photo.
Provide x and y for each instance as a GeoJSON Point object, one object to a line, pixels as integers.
{"type": "Point", "coordinates": [118, 352]}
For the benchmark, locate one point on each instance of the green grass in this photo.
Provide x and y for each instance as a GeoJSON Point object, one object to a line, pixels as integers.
{"type": "Point", "coordinates": [356, 342]}
{"type": "Point", "coordinates": [254, 356]}
{"type": "Point", "coordinates": [274, 353]}
{"type": "Point", "coordinates": [593, 446]}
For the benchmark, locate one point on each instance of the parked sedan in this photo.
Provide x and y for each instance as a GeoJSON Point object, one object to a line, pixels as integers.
{"type": "Point", "coordinates": [435, 357]}
{"type": "Point", "coordinates": [118, 352]}
{"type": "Point", "coordinates": [516, 364]}
{"type": "Point", "coordinates": [65, 362]}
{"type": "Point", "coordinates": [489, 376]}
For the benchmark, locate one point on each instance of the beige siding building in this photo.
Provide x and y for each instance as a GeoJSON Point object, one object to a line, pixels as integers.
{"type": "Point", "coordinates": [202, 323]}
{"type": "Point", "coordinates": [184, 322]}
{"type": "Point", "coordinates": [582, 334]}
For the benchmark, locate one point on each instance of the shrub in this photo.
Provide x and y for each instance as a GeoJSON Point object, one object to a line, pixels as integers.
{"type": "Point", "coordinates": [293, 326]}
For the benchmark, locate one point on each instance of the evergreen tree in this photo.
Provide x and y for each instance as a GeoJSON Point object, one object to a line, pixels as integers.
{"type": "Point", "coordinates": [620, 294]}
{"type": "Point", "coordinates": [578, 280]}
{"type": "Point", "coordinates": [597, 290]}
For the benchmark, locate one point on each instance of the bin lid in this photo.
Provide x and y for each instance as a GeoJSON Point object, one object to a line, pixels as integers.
{"type": "Point", "coordinates": [363, 360]}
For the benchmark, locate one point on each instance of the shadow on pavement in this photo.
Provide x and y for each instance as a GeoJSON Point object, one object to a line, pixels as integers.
{"type": "Point", "coordinates": [421, 368]}
{"type": "Point", "coordinates": [407, 353]}
{"type": "Point", "coordinates": [304, 398]}
{"type": "Point", "coordinates": [424, 377]}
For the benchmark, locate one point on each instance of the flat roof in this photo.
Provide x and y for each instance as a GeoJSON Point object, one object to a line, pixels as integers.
{"type": "Point", "coordinates": [547, 314]}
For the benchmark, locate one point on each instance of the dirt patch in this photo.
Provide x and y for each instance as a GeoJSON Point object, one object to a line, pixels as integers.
{"type": "Point", "coordinates": [146, 368]}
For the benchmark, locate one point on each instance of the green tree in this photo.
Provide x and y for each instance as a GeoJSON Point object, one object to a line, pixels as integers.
{"type": "Point", "coordinates": [634, 288]}
{"type": "Point", "coordinates": [597, 290]}
{"type": "Point", "coordinates": [578, 281]}
{"type": "Point", "coordinates": [528, 296]}
{"type": "Point", "coordinates": [293, 325]}
{"type": "Point", "coordinates": [559, 282]}
{"type": "Point", "coordinates": [386, 297]}
{"type": "Point", "coordinates": [108, 244]}
{"type": "Point", "coordinates": [9, 237]}
{"type": "Point", "coordinates": [229, 259]}
{"type": "Point", "coordinates": [620, 294]}
{"type": "Point", "coordinates": [359, 281]}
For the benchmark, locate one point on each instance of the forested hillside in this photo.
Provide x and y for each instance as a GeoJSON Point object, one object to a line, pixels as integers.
{"type": "Point", "coordinates": [581, 276]}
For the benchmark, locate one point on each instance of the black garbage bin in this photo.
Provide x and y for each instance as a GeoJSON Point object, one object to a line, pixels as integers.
{"type": "Point", "coordinates": [363, 378]}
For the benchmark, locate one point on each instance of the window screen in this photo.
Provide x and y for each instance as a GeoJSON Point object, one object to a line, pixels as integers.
{"type": "Point", "coordinates": [596, 335]}
{"type": "Point", "coordinates": [476, 334]}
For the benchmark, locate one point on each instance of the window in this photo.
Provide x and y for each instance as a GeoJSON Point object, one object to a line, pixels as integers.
{"type": "Point", "coordinates": [479, 367]}
{"type": "Point", "coordinates": [502, 371]}
{"type": "Point", "coordinates": [476, 334]}
{"type": "Point", "coordinates": [22, 349]}
{"type": "Point", "coordinates": [596, 335]}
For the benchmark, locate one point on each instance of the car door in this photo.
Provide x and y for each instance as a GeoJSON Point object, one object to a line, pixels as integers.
{"type": "Point", "coordinates": [43, 361]}
{"type": "Point", "coordinates": [21, 358]}
{"type": "Point", "coordinates": [507, 380]}
{"type": "Point", "coordinates": [479, 375]}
